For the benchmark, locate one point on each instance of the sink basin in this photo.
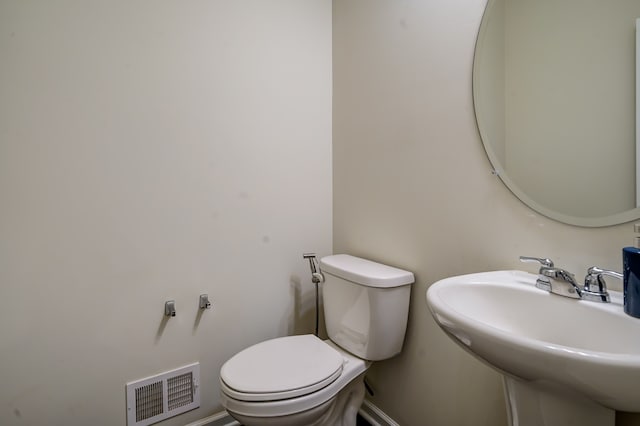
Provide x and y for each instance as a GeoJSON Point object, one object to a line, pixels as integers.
{"type": "Point", "coordinates": [561, 358]}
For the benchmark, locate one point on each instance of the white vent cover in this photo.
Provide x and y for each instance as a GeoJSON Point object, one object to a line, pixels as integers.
{"type": "Point", "coordinates": [162, 396]}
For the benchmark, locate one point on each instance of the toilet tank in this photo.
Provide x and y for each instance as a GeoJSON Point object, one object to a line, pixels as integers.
{"type": "Point", "coordinates": [366, 305]}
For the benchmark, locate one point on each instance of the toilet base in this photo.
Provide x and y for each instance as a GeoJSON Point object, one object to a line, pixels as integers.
{"type": "Point", "coordinates": [341, 410]}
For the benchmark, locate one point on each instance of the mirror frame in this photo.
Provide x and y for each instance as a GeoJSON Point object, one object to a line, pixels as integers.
{"type": "Point", "coordinates": [591, 222]}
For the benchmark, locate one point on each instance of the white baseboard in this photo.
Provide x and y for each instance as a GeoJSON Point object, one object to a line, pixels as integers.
{"type": "Point", "coordinates": [368, 411]}
{"type": "Point", "coordinates": [374, 415]}
{"type": "Point", "coordinates": [218, 419]}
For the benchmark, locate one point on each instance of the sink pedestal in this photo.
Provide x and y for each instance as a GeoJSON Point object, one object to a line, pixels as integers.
{"type": "Point", "coordinates": [544, 404]}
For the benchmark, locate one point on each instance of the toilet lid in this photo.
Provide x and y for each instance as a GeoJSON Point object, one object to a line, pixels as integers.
{"type": "Point", "coordinates": [281, 368]}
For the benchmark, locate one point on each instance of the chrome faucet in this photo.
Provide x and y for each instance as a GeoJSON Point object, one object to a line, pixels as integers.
{"type": "Point", "coordinates": [559, 281]}
{"type": "Point", "coordinates": [595, 277]}
{"type": "Point", "coordinates": [555, 280]}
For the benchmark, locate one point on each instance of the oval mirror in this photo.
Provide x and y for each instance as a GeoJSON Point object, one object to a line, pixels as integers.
{"type": "Point", "coordinates": [554, 89]}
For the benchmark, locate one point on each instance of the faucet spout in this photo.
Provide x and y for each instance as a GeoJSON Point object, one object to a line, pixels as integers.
{"type": "Point", "coordinates": [555, 280]}
{"type": "Point", "coordinates": [560, 282]}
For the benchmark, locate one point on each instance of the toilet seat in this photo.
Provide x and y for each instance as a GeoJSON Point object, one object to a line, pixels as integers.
{"type": "Point", "coordinates": [282, 368]}
{"type": "Point", "coordinates": [352, 367]}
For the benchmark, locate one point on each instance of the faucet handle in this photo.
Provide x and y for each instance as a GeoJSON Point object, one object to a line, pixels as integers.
{"type": "Point", "coordinates": [595, 277]}
{"type": "Point", "coordinates": [594, 270]}
{"type": "Point", "coordinates": [544, 262]}
{"type": "Point", "coordinates": [543, 282]}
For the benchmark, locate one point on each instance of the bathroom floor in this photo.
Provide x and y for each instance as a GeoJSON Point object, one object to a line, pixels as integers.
{"type": "Point", "coordinates": [362, 422]}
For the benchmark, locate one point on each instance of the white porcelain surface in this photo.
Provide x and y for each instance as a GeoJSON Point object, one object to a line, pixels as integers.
{"type": "Point", "coordinates": [365, 272]}
{"type": "Point", "coordinates": [366, 305]}
{"type": "Point", "coordinates": [352, 368]}
{"type": "Point", "coordinates": [281, 368]}
{"type": "Point", "coordinates": [301, 380]}
{"type": "Point", "coordinates": [592, 349]}
{"type": "Point", "coordinates": [340, 410]}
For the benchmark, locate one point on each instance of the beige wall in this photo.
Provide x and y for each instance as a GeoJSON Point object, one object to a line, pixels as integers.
{"type": "Point", "coordinates": [154, 150]}
{"type": "Point", "coordinates": [159, 150]}
{"type": "Point", "coordinates": [413, 188]}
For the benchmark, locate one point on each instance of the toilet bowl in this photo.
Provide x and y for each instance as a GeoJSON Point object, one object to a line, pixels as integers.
{"type": "Point", "coordinates": [313, 382]}
{"type": "Point", "coordinates": [305, 381]}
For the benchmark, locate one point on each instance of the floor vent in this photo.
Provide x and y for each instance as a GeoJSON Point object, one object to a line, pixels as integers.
{"type": "Point", "coordinates": [162, 396]}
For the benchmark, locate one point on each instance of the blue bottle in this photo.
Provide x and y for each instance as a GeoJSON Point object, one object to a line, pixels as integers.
{"type": "Point", "coordinates": [631, 276]}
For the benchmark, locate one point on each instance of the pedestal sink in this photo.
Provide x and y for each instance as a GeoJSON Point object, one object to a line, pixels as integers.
{"type": "Point", "coordinates": [564, 361]}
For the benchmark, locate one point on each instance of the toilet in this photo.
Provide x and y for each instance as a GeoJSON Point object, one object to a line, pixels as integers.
{"type": "Point", "coordinates": [305, 381]}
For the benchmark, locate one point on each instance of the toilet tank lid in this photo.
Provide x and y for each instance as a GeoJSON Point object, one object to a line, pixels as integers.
{"type": "Point", "coordinates": [365, 272]}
